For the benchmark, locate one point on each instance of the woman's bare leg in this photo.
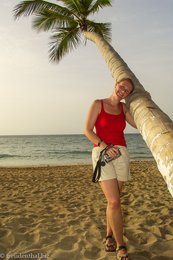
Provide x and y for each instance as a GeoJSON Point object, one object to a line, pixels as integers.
{"type": "Point", "coordinates": [109, 230]}
{"type": "Point", "coordinates": [112, 193]}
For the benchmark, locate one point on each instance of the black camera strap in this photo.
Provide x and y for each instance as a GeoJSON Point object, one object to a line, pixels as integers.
{"type": "Point", "coordinates": [97, 170]}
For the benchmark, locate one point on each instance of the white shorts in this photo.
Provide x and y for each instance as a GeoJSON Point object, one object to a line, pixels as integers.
{"type": "Point", "coordinates": [116, 169]}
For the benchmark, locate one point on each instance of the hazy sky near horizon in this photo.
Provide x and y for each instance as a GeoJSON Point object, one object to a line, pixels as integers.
{"type": "Point", "coordinates": [38, 97]}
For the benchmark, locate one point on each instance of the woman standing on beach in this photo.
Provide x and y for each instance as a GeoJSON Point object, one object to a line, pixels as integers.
{"type": "Point", "coordinates": [108, 116]}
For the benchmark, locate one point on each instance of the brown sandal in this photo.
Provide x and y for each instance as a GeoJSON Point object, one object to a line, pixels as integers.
{"type": "Point", "coordinates": [121, 256]}
{"type": "Point", "coordinates": [110, 244]}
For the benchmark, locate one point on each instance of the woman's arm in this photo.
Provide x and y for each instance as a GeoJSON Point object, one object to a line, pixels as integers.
{"type": "Point", "coordinates": [128, 116]}
{"type": "Point", "coordinates": [90, 123]}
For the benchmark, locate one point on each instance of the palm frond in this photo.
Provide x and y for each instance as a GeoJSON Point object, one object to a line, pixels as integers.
{"type": "Point", "coordinates": [99, 4]}
{"type": "Point", "coordinates": [79, 7]}
{"type": "Point", "coordinates": [64, 41]}
{"type": "Point", "coordinates": [67, 20]}
{"type": "Point", "coordinates": [103, 29]}
{"type": "Point", "coordinates": [49, 19]}
{"type": "Point", "coordinates": [74, 6]}
{"type": "Point", "coordinates": [28, 7]}
{"type": "Point", "coordinates": [85, 6]}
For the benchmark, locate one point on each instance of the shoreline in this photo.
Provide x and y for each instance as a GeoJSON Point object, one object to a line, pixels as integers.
{"type": "Point", "coordinates": [65, 165]}
{"type": "Point", "coordinates": [58, 211]}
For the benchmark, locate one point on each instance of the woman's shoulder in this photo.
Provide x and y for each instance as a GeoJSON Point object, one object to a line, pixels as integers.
{"type": "Point", "coordinates": [96, 105]}
{"type": "Point", "coordinates": [97, 102]}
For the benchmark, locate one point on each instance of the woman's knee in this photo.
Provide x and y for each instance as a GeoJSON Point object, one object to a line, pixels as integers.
{"type": "Point", "coordinates": [114, 204]}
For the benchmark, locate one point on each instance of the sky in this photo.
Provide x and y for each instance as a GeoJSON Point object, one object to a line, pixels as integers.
{"type": "Point", "coordinates": [39, 97]}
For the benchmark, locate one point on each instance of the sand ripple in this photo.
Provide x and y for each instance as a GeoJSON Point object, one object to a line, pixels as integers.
{"type": "Point", "coordinates": [57, 213]}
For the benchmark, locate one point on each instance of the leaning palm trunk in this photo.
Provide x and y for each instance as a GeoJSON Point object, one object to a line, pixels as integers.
{"type": "Point", "coordinates": [155, 126]}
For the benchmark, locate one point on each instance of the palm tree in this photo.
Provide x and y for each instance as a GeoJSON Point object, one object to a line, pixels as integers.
{"type": "Point", "coordinates": [68, 21]}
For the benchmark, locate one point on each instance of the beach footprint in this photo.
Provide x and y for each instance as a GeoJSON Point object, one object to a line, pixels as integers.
{"type": "Point", "coordinates": [68, 242]}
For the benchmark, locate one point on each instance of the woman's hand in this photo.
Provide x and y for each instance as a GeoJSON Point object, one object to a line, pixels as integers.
{"type": "Point", "coordinates": [113, 151]}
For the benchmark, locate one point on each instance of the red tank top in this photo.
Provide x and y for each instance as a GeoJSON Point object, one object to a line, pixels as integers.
{"type": "Point", "coordinates": [110, 128]}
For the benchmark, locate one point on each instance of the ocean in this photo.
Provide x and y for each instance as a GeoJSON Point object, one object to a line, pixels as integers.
{"type": "Point", "coordinates": [43, 150]}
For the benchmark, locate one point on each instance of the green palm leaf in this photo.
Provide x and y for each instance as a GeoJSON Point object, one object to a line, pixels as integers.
{"type": "Point", "coordinates": [28, 7]}
{"type": "Point", "coordinates": [49, 19]}
{"type": "Point", "coordinates": [63, 41]}
{"type": "Point", "coordinates": [99, 4]}
{"type": "Point", "coordinates": [79, 7]}
{"type": "Point", "coordinates": [68, 21]}
{"type": "Point", "coordinates": [74, 6]}
{"type": "Point", "coordinates": [103, 29]}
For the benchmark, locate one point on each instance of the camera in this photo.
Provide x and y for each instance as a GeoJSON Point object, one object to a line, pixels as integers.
{"type": "Point", "coordinates": [105, 158]}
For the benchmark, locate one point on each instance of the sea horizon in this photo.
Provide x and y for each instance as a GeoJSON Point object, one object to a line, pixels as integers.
{"type": "Point", "coordinates": [55, 134]}
{"type": "Point", "coordinates": [59, 149]}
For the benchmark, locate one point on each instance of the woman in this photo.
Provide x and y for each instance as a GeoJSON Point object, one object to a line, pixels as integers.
{"type": "Point", "coordinates": [108, 117]}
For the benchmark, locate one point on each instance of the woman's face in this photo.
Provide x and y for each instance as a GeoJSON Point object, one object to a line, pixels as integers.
{"type": "Point", "coordinates": [123, 89]}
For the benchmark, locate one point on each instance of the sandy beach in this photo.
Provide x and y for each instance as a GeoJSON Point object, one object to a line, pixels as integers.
{"type": "Point", "coordinates": [57, 213]}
